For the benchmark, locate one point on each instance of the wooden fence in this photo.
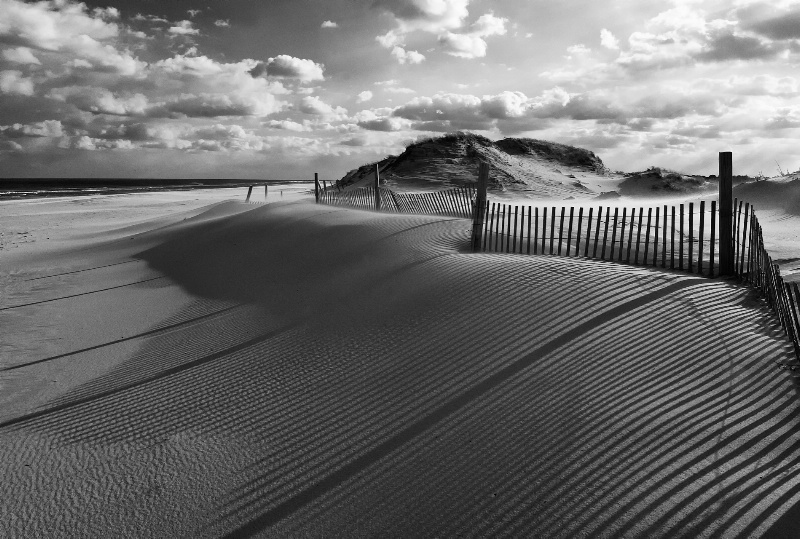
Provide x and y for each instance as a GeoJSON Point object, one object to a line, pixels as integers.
{"type": "Point", "coordinates": [765, 277]}
{"type": "Point", "coordinates": [456, 202]}
{"type": "Point", "coordinates": [685, 237]}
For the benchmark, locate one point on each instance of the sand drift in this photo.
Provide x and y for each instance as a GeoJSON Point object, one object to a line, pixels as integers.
{"type": "Point", "coordinates": [299, 370]}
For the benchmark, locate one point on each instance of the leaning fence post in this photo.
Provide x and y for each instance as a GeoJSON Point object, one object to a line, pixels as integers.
{"type": "Point", "coordinates": [316, 187]}
{"type": "Point", "coordinates": [725, 213]}
{"type": "Point", "coordinates": [249, 192]}
{"type": "Point", "coordinates": [479, 207]}
{"type": "Point", "coordinates": [266, 191]}
{"type": "Point", "coordinates": [377, 188]}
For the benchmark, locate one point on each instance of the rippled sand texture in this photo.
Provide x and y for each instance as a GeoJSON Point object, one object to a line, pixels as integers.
{"type": "Point", "coordinates": [299, 370]}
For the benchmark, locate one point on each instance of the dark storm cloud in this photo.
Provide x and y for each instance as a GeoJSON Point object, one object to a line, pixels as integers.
{"type": "Point", "coordinates": [728, 46]}
{"type": "Point", "coordinates": [779, 27]}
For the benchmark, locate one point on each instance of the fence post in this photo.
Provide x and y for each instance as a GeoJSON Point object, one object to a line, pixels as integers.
{"type": "Point", "coordinates": [479, 207]}
{"type": "Point", "coordinates": [316, 187]}
{"type": "Point", "coordinates": [377, 188]}
{"type": "Point", "coordinates": [249, 192]}
{"type": "Point", "coordinates": [725, 213]}
{"type": "Point", "coordinates": [266, 191]}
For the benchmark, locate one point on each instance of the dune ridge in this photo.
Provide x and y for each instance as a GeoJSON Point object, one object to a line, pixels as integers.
{"type": "Point", "coordinates": [326, 371]}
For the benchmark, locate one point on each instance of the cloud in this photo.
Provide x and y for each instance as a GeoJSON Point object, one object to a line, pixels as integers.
{"type": "Point", "coordinates": [441, 18]}
{"type": "Point", "coordinates": [183, 28]}
{"type": "Point", "coordinates": [401, 90]}
{"type": "Point", "coordinates": [289, 67]}
{"type": "Point", "coordinates": [13, 82]}
{"type": "Point", "coordinates": [432, 16]}
{"type": "Point", "coordinates": [366, 95]}
{"type": "Point", "coordinates": [407, 57]}
{"type": "Point", "coordinates": [608, 40]}
{"type": "Point", "coordinates": [315, 106]}
{"type": "Point", "coordinates": [21, 55]}
{"type": "Point", "coordinates": [193, 12]}
{"type": "Point", "coordinates": [329, 24]}
{"type": "Point", "coordinates": [101, 100]}
{"type": "Point", "coordinates": [783, 25]}
{"type": "Point", "coordinates": [222, 23]}
{"type": "Point", "coordinates": [471, 44]}
{"type": "Point", "coordinates": [729, 46]}
{"type": "Point", "coordinates": [288, 125]}
{"type": "Point", "coordinates": [47, 128]}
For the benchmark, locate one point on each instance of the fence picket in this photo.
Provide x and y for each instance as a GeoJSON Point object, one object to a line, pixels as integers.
{"type": "Point", "coordinates": [578, 233]}
{"type": "Point", "coordinates": [544, 228]}
{"type": "Point", "coordinates": [711, 243]}
{"type": "Point", "coordinates": [647, 234]}
{"type": "Point", "coordinates": [639, 235]}
{"type": "Point", "coordinates": [597, 231]}
{"type": "Point", "coordinates": [622, 233]}
{"type": "Point", "coordinates": [655, 240]}
{"type": "Point", "coordinates": [569, 232]}
{"type": "Point", "coordinates": [530, 211]}
{"type": "Point", "coordinates": [630, 234]}
{"type": "Point", "coordinates": [561, 231]}
{"type": "Point", "coordinates": [614, 232]}
{"type": "Point", "coordinates": [588, 233]}
{"type": "Point", "coordinates": [691, 236]}
{"type": "Point", "coordinates": [552, 229]}
{"type": "Point", "coordinates": [535, 230]}
{"type": "Point", "coordinates": [680, 246]}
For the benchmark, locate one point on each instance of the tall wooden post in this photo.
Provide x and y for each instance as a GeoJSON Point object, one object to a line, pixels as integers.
{"type": "Point", "coordinates": [316, 187]}
{"type": "Point", "coordinates": [266, 191]}
{"type": "Point", "coordinates": [377, 188]}
{"type": "Point", "coordinates": [479, 209]}
{"type": "Point", "coordinates": [725, 213]}
{"type": "Point", "coordinates": [249, 192]}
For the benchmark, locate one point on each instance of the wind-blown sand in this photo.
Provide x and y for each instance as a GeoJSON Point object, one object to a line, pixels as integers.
{"type": "Point", "coordinates": [298, 370]}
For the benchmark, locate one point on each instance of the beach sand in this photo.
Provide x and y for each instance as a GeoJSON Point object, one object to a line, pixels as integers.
{"type": "Point", "coordinates": [288, 369]}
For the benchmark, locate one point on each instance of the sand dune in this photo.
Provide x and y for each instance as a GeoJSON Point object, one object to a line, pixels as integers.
{"type": "Point", "coordinates": [298, 370]}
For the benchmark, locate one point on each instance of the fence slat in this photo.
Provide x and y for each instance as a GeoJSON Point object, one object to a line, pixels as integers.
{"type": "Point", "coordinates": [597, 230]}
{"type": "Point", "coordinates": [664, 240]}
{"type": "Point", "coordinates": [605, 234]}
{"type": "Point", "coordinates": [711, 243]}
{"type": "Point", "coordinates": [578, 236]}
{"type": "Point", "coordinates": [514, 244]}
{"type": "Point", "coordinates": [701, 237]}
{"type": "Point", "coordinates": [614, 232]}
{"type": "Point", "coordinates": [530, 211]}
{"type": "Point", "coordinates": [744, 239]}
{"type": "Point", "coordinates": [639, 235]}
{"type": "Point", "coordinates": [588, 233]}
{"type": "Point", "coordinates": [655, 240]}
{"type": "Point", "coordinates": [647, 234]}
{"type": "Point", "coordinates": [630, 234]}
{"type": "Point", "coordinates": [691, 236]}
{"type": "Point", "coordinates": [561, 231]}
{"type": "Point", "coordinates": [622, 233]}
{"type": "Point", "coordinates": [569, 232]}
{"type": "Point", "coordinates": [739, 240]}
{"type": "Point", "coordinates": [672, 249]}
{"type": "Point", "coordinates": [535, 230]}
{"type": "Point", "coordinates": [552, 228]}
{"type": "Point", "coordinates": [680, 247]}
{"type": "Point", "coordinates": [544, 228]}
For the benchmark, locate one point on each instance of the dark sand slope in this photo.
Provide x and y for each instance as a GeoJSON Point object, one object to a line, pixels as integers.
{"type": "Point", "coordinates": [315, 371]}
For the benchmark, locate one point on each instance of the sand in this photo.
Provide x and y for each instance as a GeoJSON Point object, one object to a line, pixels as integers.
{"type": "Point", "coordinates": [287, 369]}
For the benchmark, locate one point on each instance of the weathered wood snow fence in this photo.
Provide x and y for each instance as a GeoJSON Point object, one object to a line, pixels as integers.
{"type": "Point", "coordinates": [702, 239]}
{"type": "Point", "coordinates": [456, 202]}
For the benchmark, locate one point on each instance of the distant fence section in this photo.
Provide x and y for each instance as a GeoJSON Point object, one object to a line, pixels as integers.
{"type": "Point", "coordinates": [456, 202]}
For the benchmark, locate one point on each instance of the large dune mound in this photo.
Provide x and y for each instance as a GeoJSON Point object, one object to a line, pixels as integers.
{"type": "Point", "coordinates": [519, 166]}
{"type": "Point", "coordinates": [296, 370]}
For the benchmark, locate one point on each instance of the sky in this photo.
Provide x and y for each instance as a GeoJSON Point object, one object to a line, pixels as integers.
{"type": "Point", "coordinates": [286, 88]}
